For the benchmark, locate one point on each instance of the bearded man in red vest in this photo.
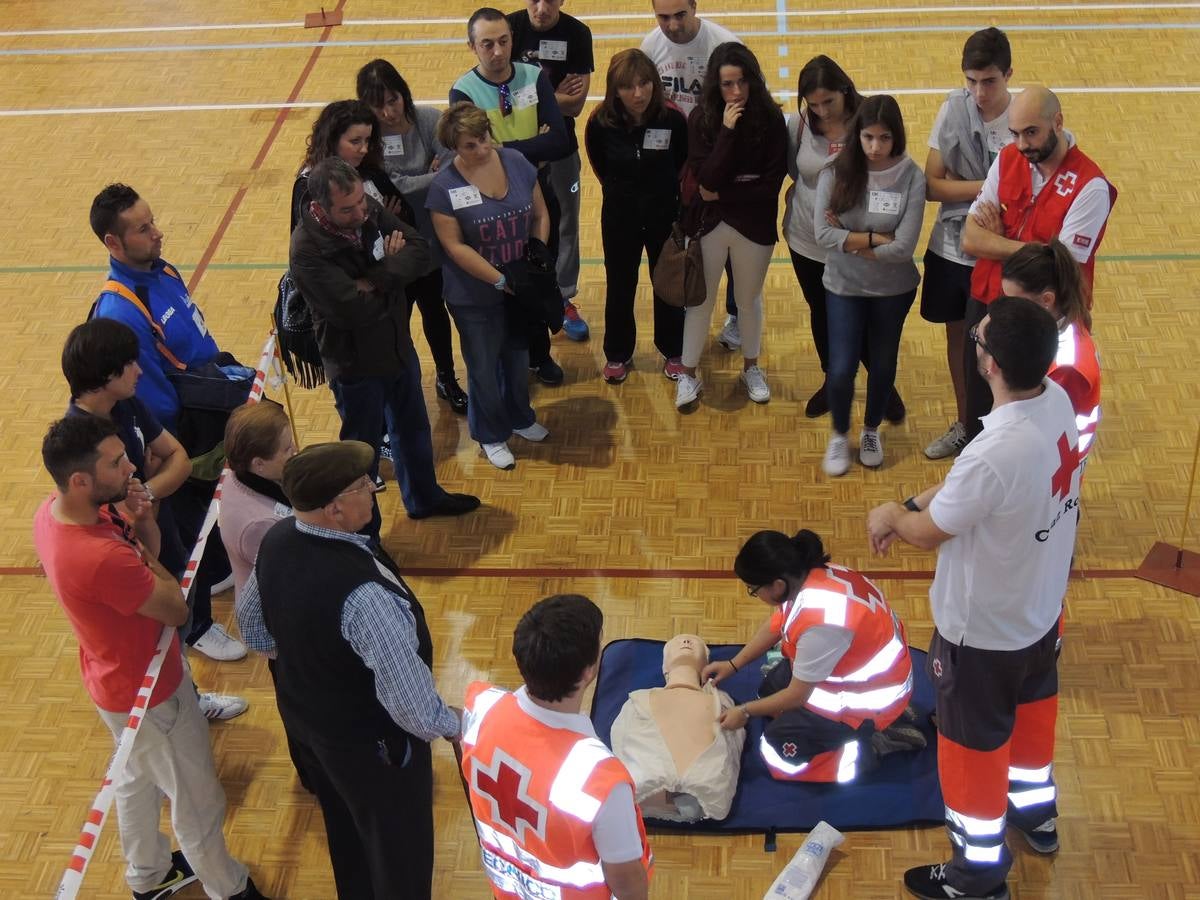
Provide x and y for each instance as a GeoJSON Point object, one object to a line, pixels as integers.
{"type": "Point", "coordinates": [1039, 188]}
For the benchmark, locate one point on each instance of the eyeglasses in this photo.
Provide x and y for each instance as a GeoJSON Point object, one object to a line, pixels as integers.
{"type": "Point", "coordinates": [974, 334]}
{"type": "Point", "coordinates": [506, 104]}
{"type": "Point", "coordinates": [366, 483]}
{"type": "Point", "coordinates": [753, 591]}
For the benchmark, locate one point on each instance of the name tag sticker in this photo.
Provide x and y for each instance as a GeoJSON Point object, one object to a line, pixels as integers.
{"type": "Point", "coordinates": [525, 97]}
{"type": "Point", "coordinates": [377, 248]}
{"type": "Point", "coordinates": [393, 145]}
{"type": "Point", "coordinates": [553, 50]}
{"type": "Point", "coordinates": [462, 197]}
{"type": "Point", "coordinates": [888, 202]}
{"type": "Point", "coordinates": [657, 139]}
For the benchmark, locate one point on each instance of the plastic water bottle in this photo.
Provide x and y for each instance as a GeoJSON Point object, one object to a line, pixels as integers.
{"type": "Point", "coordinates": [800, 877]}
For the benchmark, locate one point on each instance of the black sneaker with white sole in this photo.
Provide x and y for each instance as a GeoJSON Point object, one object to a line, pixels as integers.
{"type": "Point", "coordinates": [180, 876]}
{"type": "Point", "coordinates": [1043, 838]}
{"type": "Point", "coordinates": [930, 883]}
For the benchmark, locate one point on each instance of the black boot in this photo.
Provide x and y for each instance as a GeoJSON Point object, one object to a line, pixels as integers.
{"type": "Point", "coordinates": [448, 389]}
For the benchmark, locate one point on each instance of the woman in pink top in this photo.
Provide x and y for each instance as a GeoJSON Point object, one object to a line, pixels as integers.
{"type": "Point", "coordinates": [258, 441]}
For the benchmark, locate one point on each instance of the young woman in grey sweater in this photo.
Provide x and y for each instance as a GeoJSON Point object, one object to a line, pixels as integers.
{"type": "Point", "coordinates": [869, 207]}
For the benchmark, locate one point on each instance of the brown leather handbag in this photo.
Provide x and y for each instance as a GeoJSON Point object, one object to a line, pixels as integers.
{"type": "Point", "coordinates": [678, 276]}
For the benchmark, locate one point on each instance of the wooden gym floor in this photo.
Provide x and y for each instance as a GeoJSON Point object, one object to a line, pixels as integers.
{"type": "Point", "coordinates": [630, 503]}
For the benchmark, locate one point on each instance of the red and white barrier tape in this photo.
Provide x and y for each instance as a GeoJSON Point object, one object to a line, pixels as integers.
{"type": "Point", "coordinates": [72, 878]}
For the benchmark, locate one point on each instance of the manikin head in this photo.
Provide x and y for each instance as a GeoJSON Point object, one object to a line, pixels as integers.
{"type": "Point", "coordinates": [685, 651]}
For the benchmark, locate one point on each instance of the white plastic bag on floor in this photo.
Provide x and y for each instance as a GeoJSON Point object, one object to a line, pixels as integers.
{"type": "Point", "coordinates": [797, 881]}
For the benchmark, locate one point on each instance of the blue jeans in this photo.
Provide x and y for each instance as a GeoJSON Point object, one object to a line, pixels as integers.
{"type": "Point", "coordinates": [878, 320]}
{"type": "Point", "coordinates": [497, 373]}
{"type": "Point", "coordinates": [366, 402]}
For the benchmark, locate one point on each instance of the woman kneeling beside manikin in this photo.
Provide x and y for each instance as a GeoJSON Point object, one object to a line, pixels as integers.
{"type": "Point", "coordinates": [838, 699]}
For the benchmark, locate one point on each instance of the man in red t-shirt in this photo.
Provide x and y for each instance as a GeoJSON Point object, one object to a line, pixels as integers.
{"type": "Point", "coordinates": [1040, 187]}
{"type": "Point", "coordinates": [118, 598]}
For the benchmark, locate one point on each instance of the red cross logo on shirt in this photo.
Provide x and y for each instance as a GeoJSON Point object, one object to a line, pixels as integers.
{"type": "Point", "coordinates": [1064, 184]}
{"type": "Point", "coordinates": [505, 786]}
{"type": "Point", "coordinates": [789, 749]}
{"type": "Point", "coordinates": [1068, 462]}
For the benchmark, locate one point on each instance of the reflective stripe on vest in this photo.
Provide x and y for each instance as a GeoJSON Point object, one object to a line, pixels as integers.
{"type": "Point", "coordinates": [581, 875]}
{"type": "Point", "coordinates": [476, 711]}
{"type": "Point", "coordinates": [876, 665]}
{"type": "Point", "coordinates": [1065, 355]}
{"type": "Point", "coordinates": [566, 793]}
{"type": "Point", "coordinates": [865, 701]}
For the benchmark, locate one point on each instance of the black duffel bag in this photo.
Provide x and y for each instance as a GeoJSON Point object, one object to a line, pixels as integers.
{"type": "Point", "coordinates": [535, 297]}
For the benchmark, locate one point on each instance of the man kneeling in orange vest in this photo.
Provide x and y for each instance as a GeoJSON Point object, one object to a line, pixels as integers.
{"type": "Point", "coordinates": [553, 807]}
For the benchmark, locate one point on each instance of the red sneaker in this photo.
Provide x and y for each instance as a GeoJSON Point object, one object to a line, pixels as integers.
{"type": "Point", "coordinates": [615, 372]}
{"type": "Point", "coordinates": [673, 368]}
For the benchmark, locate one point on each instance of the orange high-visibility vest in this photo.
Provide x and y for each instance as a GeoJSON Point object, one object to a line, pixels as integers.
{"type": "Point", "coordinates": [535, 792]}
{"type": "Point", "coordinates": [873, 680]}
{"type": "Point", "coordinates": [1076, 368]}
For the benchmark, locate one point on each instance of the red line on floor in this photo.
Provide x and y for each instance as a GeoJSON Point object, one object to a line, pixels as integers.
{"type": "Point", "coordinates": [699, 574]}
{"type": "Point", "coordinates": [280, 118]}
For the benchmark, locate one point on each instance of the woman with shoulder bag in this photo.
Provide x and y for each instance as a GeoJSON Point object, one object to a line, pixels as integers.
{"type": "Point", "coordinates": [486, 205]}
{"type": "Point", "coordinates": [737, 146]}
{"type": "Point", "coordinates": [869, 207]}
{"type": "Point", "coordinates": [637, 146]}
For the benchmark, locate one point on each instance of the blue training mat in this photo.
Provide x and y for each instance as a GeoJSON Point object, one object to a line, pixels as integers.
{"type": "Point", "coordinates": [903, 790]}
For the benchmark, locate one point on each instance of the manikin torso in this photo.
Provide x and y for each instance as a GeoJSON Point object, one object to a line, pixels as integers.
{"type": "Point", "coordinates": [685, 714]}
{"type": "Point", "coordinates": [684, 766]}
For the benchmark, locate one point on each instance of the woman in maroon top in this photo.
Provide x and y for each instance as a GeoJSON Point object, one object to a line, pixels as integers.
{"type": "Point", "coordinates": [737, 152]}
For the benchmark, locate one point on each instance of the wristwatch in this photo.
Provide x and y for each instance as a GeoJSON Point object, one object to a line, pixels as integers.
{"type": "Point", "coordinates": [499, 285]}
{"type": "Point", "coordinates": [911, 505]}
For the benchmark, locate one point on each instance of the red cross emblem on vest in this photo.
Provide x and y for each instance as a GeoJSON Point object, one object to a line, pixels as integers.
{"type": "Point", "coordinates": [1064, 184]}
{"type": "Point", "coordinates": [789, 749]}
{"type": "Point", "coordinates": [505, 786]}
{"type": "Point", "coordinates": [1068, 462]}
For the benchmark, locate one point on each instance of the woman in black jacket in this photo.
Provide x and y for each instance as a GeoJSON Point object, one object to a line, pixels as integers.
{"type": "Point", "coordinates": [637, 146]}
{"type": "Point", "coordinates": [348, 129]}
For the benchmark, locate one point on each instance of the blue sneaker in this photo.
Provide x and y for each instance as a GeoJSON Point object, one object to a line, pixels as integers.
{"type": "Point", "coordinates": [573, 325]}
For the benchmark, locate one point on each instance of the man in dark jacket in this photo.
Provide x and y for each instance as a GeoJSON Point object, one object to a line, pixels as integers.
{"type": "Point", "coordinates": [351, 259]}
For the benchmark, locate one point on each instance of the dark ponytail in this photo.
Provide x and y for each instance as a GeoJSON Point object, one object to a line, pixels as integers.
{"type": "Point", "coordinates": [1051, 267]}
{"type": "Point", "coordinates": [769, 555]}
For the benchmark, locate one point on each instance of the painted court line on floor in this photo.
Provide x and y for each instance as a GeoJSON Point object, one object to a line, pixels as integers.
{"type": "Point", "coordinates": [319, 104]}
{"type": "Point", "coordinates": [99, 268]}
{"type": "Point", "coordinates": [877, 11]}
{"type": "Point", "coordinates": [658, 574]}
{"type": "Point", "coordinates": [603, 38]}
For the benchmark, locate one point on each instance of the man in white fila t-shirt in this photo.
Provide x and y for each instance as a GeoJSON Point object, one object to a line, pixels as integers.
{"type": "Point", "coordinates": [679, 48]}
{"type": "Point", "coordinates": [1003, 523]}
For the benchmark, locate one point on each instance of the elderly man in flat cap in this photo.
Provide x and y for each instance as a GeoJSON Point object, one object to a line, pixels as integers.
{"type": "Point", "coordinates": [353, 679]}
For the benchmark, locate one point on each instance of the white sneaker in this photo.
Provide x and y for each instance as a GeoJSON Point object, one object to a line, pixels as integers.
{"type": "Point", "coordinates": [499, 455]}
{"type": "Point", "coordinates": [219, 644]}
{"type": "Point", "coordinates": [755, 380]}
{"type": "Point", "coordinates": [535, 432]}
{"type": "Point", "coordinates": [222, 706]}
{"type": "Point", "coordinates": [687, 390]}
{"type": "Point", "coordinates": [223, 585]}
{"type": "Point", "coordinates": [731, 336]}
{"type": "Point", "coordinates": [949, 443]}
{"type": "Point", "coordinates": [870, 448]}
{"type": "Point", "coordinates": [837, 456]}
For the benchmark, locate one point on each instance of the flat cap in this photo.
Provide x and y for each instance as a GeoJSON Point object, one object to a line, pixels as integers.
{"type": "Point", "coordinates": [317, 474]}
